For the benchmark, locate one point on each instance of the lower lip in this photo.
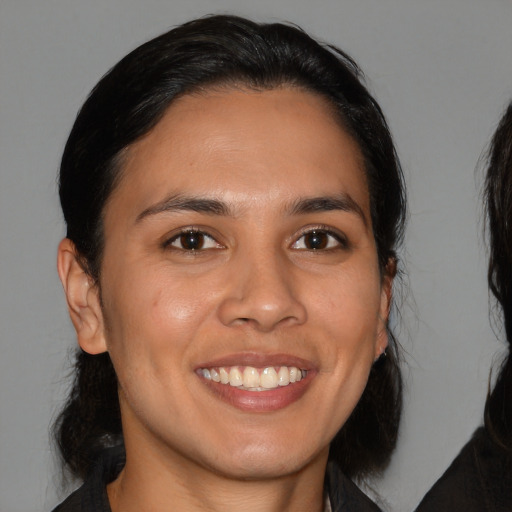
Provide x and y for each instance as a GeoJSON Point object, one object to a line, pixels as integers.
{"type": "Point", "coordinates": [260, 401]}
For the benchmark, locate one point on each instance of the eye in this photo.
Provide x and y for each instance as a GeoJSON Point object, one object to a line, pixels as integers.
{"type": "Point", "coordinates": [192, 240]}
{"type": "Point", "coordinates": [320, 239]}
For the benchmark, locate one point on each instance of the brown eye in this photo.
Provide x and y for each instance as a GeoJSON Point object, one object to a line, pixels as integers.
{"type": "Point", "coordinates": [319, 239]}
{"type": "Point", "coordinates": [316, 240]}
{"type": "Point", "coordinates": [193, 241]}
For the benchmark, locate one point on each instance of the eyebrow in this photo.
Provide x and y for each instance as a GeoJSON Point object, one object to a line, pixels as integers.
{"type": "Point", "coordinates": [179, 202]}
{"type": "Point", "coordinates": [302, 206]}
{"type": "Point", "coordinates": [341, 202]}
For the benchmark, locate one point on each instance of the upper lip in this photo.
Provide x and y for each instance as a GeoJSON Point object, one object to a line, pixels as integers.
{"type": "Point", "coordinates": [259, 360]}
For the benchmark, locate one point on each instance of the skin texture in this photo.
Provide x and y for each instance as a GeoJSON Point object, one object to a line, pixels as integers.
{"type": "Point", "coordinates": [256, 290]}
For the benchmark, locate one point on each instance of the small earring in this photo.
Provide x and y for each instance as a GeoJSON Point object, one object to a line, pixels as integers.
{"type": "Point", "coordinates": [381, 355]}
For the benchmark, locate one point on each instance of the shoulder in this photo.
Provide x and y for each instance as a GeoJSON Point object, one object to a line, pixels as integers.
{"type": "Point", "coordinates": [73, 503]}
{"type": "Point", "coordinates": [345, 495]}
{"type": "Point", "coordinates": [479, 479]}
{"type": "Point", "coordinates": [92, 495]}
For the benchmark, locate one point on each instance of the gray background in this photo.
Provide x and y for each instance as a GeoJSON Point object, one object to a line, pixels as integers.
{"type": "Point", "coordinates": [442, 71]}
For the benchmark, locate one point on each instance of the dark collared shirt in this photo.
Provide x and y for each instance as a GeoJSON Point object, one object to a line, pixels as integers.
{"type": "Point", "coordinates": [478, 480]}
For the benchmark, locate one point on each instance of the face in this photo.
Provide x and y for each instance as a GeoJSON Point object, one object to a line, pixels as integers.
{"type": "Point", "coordinates": [242, 303]}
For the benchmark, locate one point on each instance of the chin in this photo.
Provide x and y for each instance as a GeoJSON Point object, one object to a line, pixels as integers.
{"type": "Point", "coordinates": [264, 462]}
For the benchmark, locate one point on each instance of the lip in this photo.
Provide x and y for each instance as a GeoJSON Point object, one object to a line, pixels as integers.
{"type": "Point", "coordinates": [258, 360]}
{"type": "Point", "coordinates": [259, 401]}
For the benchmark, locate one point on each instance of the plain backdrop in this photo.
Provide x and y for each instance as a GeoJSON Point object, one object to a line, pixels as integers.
{"type": "Point", "coordinates": [442, 71]}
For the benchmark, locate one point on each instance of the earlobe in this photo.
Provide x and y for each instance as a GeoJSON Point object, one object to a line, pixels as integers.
{"type": "Point", "coordinates": [385, 305]}
{"type": "Point", "coordinates": [83, 299]}
{"type": "Point", "coordinates": [382, 341]}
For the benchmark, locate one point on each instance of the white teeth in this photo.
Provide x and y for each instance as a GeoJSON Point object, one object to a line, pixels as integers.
{"type": "Point", "coordinates": [283, 376]}
{"type": "Point", "coordinates": [254, 379]}
{"type": "Point", "coordinates": [268, 378]}
{"type": "Point", "coordinates": [251, 377]}
{"type": "Point", "coordinates": [235, 377]}
{"type": "Point", "coordinates": [224, 376]}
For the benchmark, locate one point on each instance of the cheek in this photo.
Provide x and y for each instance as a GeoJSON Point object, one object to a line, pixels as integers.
{"type": "Point", "coordinates": [151, 318]}
{"type": "Point", "coordinates": [349, 304]}
{"type": "Point", "coordinates": [348, 312]}
{"type": "Point", "coordinates": [174, 309]}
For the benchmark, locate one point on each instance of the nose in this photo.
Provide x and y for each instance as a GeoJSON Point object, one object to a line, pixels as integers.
{"type": "Point", "coordinates": [262, 293]}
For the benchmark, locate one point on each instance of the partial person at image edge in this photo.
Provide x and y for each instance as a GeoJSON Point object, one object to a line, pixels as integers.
{"type": "Point", "coordinates": [480, 478]}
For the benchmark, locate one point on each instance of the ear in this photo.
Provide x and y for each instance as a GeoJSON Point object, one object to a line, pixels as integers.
{"type": "Point", "coordinates": [385, 306]}
{"type": "Point", "coordinates": [82, 295]}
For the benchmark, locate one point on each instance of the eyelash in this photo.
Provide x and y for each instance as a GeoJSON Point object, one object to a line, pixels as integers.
{"type": "Point", "coordinates": [340, 240]}
{"type": "Point", "coordinates": [206, 238]}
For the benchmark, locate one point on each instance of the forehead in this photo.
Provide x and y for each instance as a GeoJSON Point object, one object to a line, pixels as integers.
{"type": "Point", "coordinates": [247, 145]}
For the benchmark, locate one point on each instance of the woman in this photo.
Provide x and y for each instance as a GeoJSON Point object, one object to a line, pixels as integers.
{"type": "Point", "coordinates": [233, 203]}
{"type": "Point", "coordinates": [480, 478]}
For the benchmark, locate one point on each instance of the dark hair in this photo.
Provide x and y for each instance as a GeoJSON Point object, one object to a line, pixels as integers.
{"type": "Point", "coordinates": [498, 200]}
{"type": "Point", "coordinates": [130, 99]}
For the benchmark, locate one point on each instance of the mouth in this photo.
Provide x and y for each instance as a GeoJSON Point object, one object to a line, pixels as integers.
{"type": "Point", "coordinates": [250, 378]}
{"type": "Point", "coordinates": [257, 382]}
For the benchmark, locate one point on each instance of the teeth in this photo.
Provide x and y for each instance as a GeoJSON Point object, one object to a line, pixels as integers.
{"type": "Point", "coordinates": [235, 377]}
{"type": "Point", "coordinates": [268, 378]}
{"type": "Point", "coordinates": [251, 377]}
{"type": "Point", "coordinates": [283, 376]}
{"type": "Point", "coordinates": [254, 379]}
{"type": "Point", "coordinates": [224, 376]}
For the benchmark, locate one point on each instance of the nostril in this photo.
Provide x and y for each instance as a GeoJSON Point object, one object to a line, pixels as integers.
{"type": "Point", "coordinates": [263, 311]}
{"type": "Point", "coordinates": [242, 321]}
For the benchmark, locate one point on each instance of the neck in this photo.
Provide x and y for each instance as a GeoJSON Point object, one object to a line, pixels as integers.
{"type": "Point", "coordinates": [152, 482]}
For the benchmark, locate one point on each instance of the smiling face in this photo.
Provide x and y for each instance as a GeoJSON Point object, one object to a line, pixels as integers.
{"type": "Point", "coordinates": [242, 303]}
